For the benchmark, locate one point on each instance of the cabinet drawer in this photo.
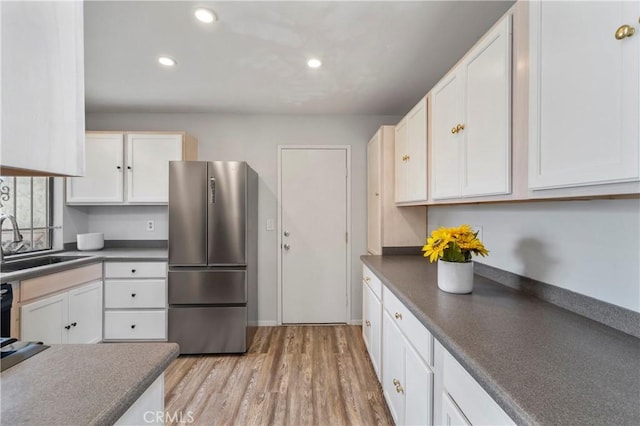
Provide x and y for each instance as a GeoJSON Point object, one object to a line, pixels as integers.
{"type": "Point", "coordinates": [135, 294]}
{"type": "Point", "coordinates": [415, 332]}
{"type": "Point", "coordinates": [374, 282]}
{"type": "Point", "coordinates": [135, 325]}
{"type": "Point", "coordinates": [135, 269]}
{"type": "Point", "coordinates": [474, 402]}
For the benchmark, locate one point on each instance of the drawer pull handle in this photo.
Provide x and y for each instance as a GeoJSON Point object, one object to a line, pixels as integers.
{"type": "Point", "coordinates": [73, 324]}
{"type": "Point", "coordinates": [398, 316]}
{"type": "Point", "coordinates": [67, 327]}
{"type": "Point", "coordinates": [396, 382]}
{"type": "Point", "coordinates": [399, 388]}
{"type": "Point", "coordinates": [367, 279]}
{"type": "Point", "coordinates": [133, 271]}
{"type": "Point", "coordinates": [133, 295]}
{"type": "Point", "coordinates": [368, 323]}
{"type": "Point", "coordinates": [133, 326]}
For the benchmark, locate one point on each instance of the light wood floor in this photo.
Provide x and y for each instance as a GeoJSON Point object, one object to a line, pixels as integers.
{"type": "Point", "coordinates": [295, 375]}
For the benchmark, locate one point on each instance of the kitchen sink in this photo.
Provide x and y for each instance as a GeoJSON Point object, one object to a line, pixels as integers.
{"type": "Point", "coordinates": [19, 265]}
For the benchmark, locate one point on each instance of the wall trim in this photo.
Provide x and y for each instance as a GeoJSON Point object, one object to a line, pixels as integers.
{"type": "Point", "coordinates": [267, 323]}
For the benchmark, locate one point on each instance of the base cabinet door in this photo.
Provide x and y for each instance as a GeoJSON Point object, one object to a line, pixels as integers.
{"type": "Point", "coordinates": [418, 390]}
{"type": "Point", "coordinates": [393, 368]}
{"type": "Point", "coordinates": [372, 331]}
{"type": "Point", "coordinates": [85, 313]}
{"type": "Point", "coordinates": [451, 414]}
{"type": "Point", "coordinates": [45, 320]}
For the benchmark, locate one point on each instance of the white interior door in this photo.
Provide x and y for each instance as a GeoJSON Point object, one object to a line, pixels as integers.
{"type": "Point", "coordinates": [313, 202]}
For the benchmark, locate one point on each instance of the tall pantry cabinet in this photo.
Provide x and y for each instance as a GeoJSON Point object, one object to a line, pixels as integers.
{"type": "Point", "coordinates": [388, 225]}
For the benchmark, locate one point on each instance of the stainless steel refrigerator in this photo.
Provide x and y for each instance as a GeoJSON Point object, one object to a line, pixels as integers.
{"type": "Point", "coordinates": [213, 256]}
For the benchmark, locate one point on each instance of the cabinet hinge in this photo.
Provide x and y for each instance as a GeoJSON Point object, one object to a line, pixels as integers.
{"type": "Point", "coordinates": [346, 237]}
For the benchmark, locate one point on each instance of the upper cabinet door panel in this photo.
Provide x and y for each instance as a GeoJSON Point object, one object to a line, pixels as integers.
{"type": "Point", "coordinates": [148, 157]}
{"type": "Point", "coordinates": [487, 112]}
{"type": "Point", "coordinates": [401, 148]}
{"type": "Point", "coordinates": [42, 87]}
{"type": "Point", "coordinates": [446, 145]}
{"type": "Point", "coordinates": [417, 152]}
{"type": "Point", "coordinates": [374, 199]}
{"type": "Point", "coordinates": [105, 169]}
{"type": "Point", "coordinates": [584, 94]}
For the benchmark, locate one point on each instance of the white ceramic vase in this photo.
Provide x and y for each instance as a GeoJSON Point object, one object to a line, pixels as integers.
{"type": "Point", "coordinates": [455, 277]}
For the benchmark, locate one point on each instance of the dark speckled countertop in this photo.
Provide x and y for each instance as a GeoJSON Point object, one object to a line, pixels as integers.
{"type": "Point", "coordinates": [542, 364]}
{"type": "Point", "coordinates": [81, 384]}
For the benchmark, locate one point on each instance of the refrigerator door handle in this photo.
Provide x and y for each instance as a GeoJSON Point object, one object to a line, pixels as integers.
{"type": "Point", "coordinates": [212, 184]}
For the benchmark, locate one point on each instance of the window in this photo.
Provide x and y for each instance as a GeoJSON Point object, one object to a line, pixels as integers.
{"type": "Point", "coordinates": [29, 200]}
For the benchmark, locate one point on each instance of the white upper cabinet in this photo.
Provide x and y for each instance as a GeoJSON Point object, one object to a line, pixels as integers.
{"type": "Point", "coordinates": [103, 181]}
{"type": "Point", "coordinates": [411, 155]}
{"type": "Point", "coordinates": [138, 162]}
{"type": "Point", "coordinates": [584, 94]}
{"type": "Point", "coordinates": [148, 159]}
{"type": "Point", "coordinates": [471, 113]}
{"type": "Point", "coordinates": [42, 88]}
{"type": "Point", "coordinates": [374, 190]}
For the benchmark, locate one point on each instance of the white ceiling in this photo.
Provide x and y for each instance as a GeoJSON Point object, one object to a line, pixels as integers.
{"type": "Point", "coordinates": [378, 57]}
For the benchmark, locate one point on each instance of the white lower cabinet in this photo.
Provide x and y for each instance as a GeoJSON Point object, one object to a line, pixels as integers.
{"type": "Point", "coordinates": [148, 409]}
{"type": "Point", "coordinates": [451, 414]}
{"type": "Point", "coordinates": [135, 301]}
{"type": "Point", "coordinates": [372, 326]}
{"type": "Point", "coordinates": [407, 379]}
{"type": "Point", "coordinates": [74, 316]}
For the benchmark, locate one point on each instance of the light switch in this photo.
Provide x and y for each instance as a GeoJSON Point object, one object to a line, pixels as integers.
{"type": "Point", "coordinates": [270, 225]}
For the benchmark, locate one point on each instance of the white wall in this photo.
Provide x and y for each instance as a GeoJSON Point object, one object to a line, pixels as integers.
{"type": "Point", "coordinates": [589, 247]}
{"type": "Point", "coordinates": [254, 138]}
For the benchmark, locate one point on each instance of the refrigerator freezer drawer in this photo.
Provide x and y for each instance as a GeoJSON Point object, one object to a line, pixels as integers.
{"type": "Point", "coordinates": [207, 287]}
{"type": "Point", "coordinates": [201, 330]}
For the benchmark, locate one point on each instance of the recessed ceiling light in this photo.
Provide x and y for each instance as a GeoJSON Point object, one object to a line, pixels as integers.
{"type": "Point", "coordinates": [205, 15]}
{"type": "Point", "coordinates": [167, 61]}
{"type": "Point", "coordinates": [314, 63]}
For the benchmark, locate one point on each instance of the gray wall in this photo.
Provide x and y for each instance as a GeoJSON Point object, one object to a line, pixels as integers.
{"type": "Point", "coordinates": [589, 247]}
{"type": "Point", "coordinates": [253, 138]}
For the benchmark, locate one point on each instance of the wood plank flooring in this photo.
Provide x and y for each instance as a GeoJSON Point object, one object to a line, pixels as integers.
{"type": "Point", "coordinates": [291, 375]}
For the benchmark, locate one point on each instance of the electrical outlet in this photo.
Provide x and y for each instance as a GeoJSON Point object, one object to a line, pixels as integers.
{"type": "Point", "coordinates": [151, 225]}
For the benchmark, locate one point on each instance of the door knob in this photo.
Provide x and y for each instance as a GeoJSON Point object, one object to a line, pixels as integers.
{"type": "Point", "coordinates": [286, 246]}
{"type": "Point", "coordinates": [286, 233]}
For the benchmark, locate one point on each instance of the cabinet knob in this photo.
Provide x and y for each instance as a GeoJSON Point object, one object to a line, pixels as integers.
{"type": "Point", "coordinates": [624, 31]}
{"type": "Point", "coordinates": [286, 246]}
{"type": "Point", "coordinates": [399, 388]}
{"type": "Point", "coordinates": [133, 271]}
{"type": "Point", "coordinates": [377, 194]}
{"type": "Point", "coordinates": [133, 326]}
{"type": "Point", "coordinates": [133, 295]}
{"type": "Point", "coordinates": [67, 327]}
{"type": "Point", "coordinates": [398, 316]}
{"type": "Point", "coordinates": [459, 127]}
{"type": "Point", "coordinates": [73, 324]}
{"type": "Point", "coordinates": [367, 279]}
{"type": "Point", "coordinates": [118, 167]}
{"type": "Point", "coordinates": [368, 323]}
{"type": "Point", "coordinates": [454, 130]}
{"type": "Point", "coordinates": [396, 382]}
{"type": "Point", "coordinates": [128, 167]}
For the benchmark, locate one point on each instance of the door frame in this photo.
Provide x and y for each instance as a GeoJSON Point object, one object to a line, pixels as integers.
{"type": "Point", "coordinates": [347, 149]}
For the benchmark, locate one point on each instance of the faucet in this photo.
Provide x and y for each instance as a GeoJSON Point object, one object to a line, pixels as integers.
{"type": "Point", "coordinates": [17, 237]}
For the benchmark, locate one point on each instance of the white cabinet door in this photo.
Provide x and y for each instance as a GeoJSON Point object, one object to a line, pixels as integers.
{"type": "Point", "coordinates": [45, 320]}
{"type": "Point", "coordinates": [486, 160]}
{"type": "Point", "coordinates": [446, 144]}
{"type": "Point", "coordinates": [451, 414]}
{"type": "Point", "coordinates": [148, 157]}
{"type": "Point", "coordinates": [371, 329]}
{"type": "Point", "coordinates": [374, 200]}
{"type": "Point", "coordinates": [418, 390]}
{"type": "Point", "coordinates": [401, 149]}
{"type": "Point", "coordinates": [584, 94]}
{"type": "Point", "coordinates": [417, 152]}
{"type": "Point", "coordinates": [85, 313]}
{"type": "Point", "coordinates": [103, 181]}
{"type": "Point", "coordinates": [393, 368]}
{"type": "Point", "coordinates": [43, 87]}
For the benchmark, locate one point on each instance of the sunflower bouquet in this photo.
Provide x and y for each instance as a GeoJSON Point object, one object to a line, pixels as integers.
{"type": "Point", "coordinates": [453, 244]}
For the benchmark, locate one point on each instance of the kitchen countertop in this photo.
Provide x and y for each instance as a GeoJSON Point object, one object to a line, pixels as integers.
{"type": "Point", "coordinates": [81, 384]}
{"type": "Point", "coordinates": [88, 257]}
{"type": "Point", "coordinates": [542, 364]}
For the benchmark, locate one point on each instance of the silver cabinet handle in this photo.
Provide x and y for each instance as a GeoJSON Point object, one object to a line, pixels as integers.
{"type": "Point", "coordinates": [212, 184]}
{"type": "Point", "coordinates": [286, 233]}
{"type": "Point", "coordinates": [286, 246]}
